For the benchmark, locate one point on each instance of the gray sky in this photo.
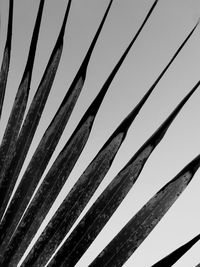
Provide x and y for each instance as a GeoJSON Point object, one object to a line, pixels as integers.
{"type": "Point", "coordinates": [168, 26]}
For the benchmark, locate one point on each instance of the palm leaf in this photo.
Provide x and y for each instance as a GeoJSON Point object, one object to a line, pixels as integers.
{"type": "Point", "coordinates": [21, 218]}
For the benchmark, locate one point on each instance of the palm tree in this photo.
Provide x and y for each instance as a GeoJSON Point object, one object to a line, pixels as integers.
{"type": "Point", "coordinates": [32, 175]}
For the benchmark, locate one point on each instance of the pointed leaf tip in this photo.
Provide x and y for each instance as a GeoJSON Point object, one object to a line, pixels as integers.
{"type": "Point", "coordinates": [65, 19]}
{"type": "Point", "coordinates": [34, 41]}
{"type": "Point", "coordinates": [198, 21]}
{"type": "Point", "coordinates": [91, 48]}
{"type": "Point", "coordinates": [128, 120]}
{"type": "Point", "coordinates": [159, 134]}
{"type": "Point", "coordinates": [10, 23]}
{"type": "Point", "coordinates": [6, 57]}
{"type": "Point", "coordinates": [193, 166]}
{"type": "Point", "coordinates": [120, 61]}
{"type": "Point", "coordinates": [174, 256]}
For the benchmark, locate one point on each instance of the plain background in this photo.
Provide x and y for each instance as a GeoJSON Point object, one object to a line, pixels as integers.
{"type": "Point", "coordinates": [166, 29]}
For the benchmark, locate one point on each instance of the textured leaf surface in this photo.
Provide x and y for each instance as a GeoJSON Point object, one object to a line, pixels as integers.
{"type": "Point", "coordinates": [65, 162]}
{"type": "Point", "coordinates": [110, 199]}
{"type": "Point", "coordinates": [17, 113]}
{"type": "Point", "coordinates": [45, 149]}
{"type": "Point", "coordinates": [21, 220]}
{"type": "Point", "coordinates": [122, 129]}
{"type": "Point", "coordinates": [138, 228]}
{"type": "Point", "coordinates": [10, 175]}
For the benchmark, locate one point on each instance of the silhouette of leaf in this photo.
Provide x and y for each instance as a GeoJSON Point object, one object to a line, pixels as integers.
{"type": "Point", "coordinates": [174, 256]}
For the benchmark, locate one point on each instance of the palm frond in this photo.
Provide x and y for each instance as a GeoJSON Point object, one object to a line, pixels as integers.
{"type": "Point", "coordinates": [67, 158]}
{"type": "Point", "coordinates": [44, 150]}
{"type": "Point", "coordinates": [68, 211]}
{"type": "Point", "coordinates": [24, 210]}
{"type": "Point", "coordinates": [88, 228]}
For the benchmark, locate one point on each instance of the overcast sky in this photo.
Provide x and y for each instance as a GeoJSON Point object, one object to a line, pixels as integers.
{"type": "Point", "coordinates": [168, 26]}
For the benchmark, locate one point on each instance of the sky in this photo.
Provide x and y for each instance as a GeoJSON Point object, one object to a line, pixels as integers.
{"type": "Point", "coordinates": [168, 26]}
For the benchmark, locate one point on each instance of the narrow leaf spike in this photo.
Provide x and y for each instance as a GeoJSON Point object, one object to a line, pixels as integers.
{"type": "Point", "coordinates": [143, 100]}
{"type": "Point", "coordinates": [131, 44]}
{"type": "Point", "coordinates": [33, 46]}
{"type": "Point", "coordinates": [87, 230]}
{"type": "Point", "coordinates": [19, 106]}
{"type": "Point", "coordinates": [44, 151]}
{"type": "Point", "coordinates": [138, 228]}
{"type": "Point", "coordinates": [9, 176]}
{"type": "Point", "coordinates": [174, 256]}
{"type": "Point", "coordinates": [6, 57]}
{"type": "Point", "coordinates": [91, 48]}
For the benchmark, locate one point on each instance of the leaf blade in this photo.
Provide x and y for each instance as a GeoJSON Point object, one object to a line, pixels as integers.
{"type": "Point", "coordinates": [87, 230]}
{"type": "Point", "coordinates": [10, 175]}
{"type": "Point", "coordinates": [20, 102]}
{"type": "Point", "coordinates": [72, 145]}
{"type": "Point", "coordinates": [138, 228]}
{"type": "Point", "coordinates": [45, 149]}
